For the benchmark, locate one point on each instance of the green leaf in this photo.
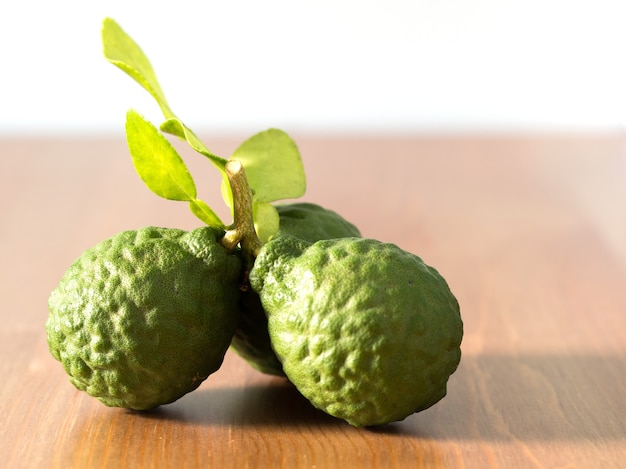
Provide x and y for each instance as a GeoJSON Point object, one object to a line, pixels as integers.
{"type": "Point", "coordinates": [123, 52]}
{"type": "Point", "coordinates": [227, 193]}
{"type": "Point", "coordinates": [174, 126]}
{"type": "Point", "coordinates": [273, 166]}
{"type": "Point", "coordinates": [274, 171]}
{"type": "Point", "coordinates": [161, 167]}
{"type": "Point", "coordinates": [266, 220]}
{"type": "Point", "coordinates": [156, 161]}
{"type": "Point", "coordinates": [204, 213]}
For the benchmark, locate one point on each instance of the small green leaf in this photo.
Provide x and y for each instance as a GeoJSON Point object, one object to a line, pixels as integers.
{"type": "Point", "coordinates": [266, 220]}
{"type": "Point", "coordinates": [204, 213]}
{"type": "Point", "coordinates": [274, 171]}
{"type": "Point", "coordinates": [156, 161]}
{"type": "Point", "coordinates": [227, 193]}
{"type": "Point", "coordinates": [123, 52]}
{"type": "Point", "coordinates": [273, 166]}
{"type": "Point", "coordinates": [174, 126]}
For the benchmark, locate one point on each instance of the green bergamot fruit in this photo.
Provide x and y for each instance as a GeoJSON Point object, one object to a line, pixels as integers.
{"type": "Point", "coordinates": [365, 330]}
{"type": "Point", "coordinates": [306, 221]}
{"type": "Point", "coordinates": [143, 317]}
{"type": "Point", "coordinates": [312, 222]}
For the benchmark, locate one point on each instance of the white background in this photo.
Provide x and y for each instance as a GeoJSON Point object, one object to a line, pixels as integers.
{"type": "Point", "coordinates": [320, 66]}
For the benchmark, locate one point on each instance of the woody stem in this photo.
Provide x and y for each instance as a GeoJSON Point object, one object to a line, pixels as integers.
{"type": "Point", "coordinates": [242, 231]}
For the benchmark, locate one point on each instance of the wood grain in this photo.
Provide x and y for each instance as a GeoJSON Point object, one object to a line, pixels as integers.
{"type": "Point", "coordinates": [530, 232]}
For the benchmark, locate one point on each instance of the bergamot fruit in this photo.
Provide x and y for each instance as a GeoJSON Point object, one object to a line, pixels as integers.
{"type": "Point", "coordinates": [143, 317]}
{"type": "Point", "coordinates": [304, 220]}
{"type": "Point", "coordinates": [312, 222]}
{"type": "Point", "coordinates": [365, 330]}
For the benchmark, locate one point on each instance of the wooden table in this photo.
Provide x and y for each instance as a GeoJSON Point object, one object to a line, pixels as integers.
{"type": "Point", "coordinates": [530, 232]}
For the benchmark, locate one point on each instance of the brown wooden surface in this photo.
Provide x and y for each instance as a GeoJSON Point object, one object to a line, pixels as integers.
{"type": "Point", "coordinates": [530, 232]}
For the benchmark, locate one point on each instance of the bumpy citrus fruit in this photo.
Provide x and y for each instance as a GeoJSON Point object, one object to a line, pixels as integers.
{"type": "Point", "coordinates": [144, 317]}
{"type": "Point", "coordinates": [306, 221]}
{"type": "Point", "coordinates": [366, 331]}
{"type": "Point", "coordinates": [312, 222]}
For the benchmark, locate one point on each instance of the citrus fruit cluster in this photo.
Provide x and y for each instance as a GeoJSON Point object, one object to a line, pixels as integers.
{"type": "Point", "coordinates": [366, 331]}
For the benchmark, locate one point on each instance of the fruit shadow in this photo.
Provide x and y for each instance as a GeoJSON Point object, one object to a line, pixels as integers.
{"type": "Point", "coordinates": [273, 403]}
{"type": "Point", "coordinates": [490, 397]}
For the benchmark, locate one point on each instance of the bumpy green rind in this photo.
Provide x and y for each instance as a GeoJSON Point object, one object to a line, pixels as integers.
{"type": "Point", "coordinates": [366, 331]}
{"type": "Point", "coordinates": [144, 317]}
{"type": "Point", "coordinates": [312, 222]}
{"type": "Point", "coordinates": [306, 221]}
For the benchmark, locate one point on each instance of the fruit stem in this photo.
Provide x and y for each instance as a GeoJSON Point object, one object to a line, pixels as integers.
{"type": "Point", "coordinates": [242, 231]}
